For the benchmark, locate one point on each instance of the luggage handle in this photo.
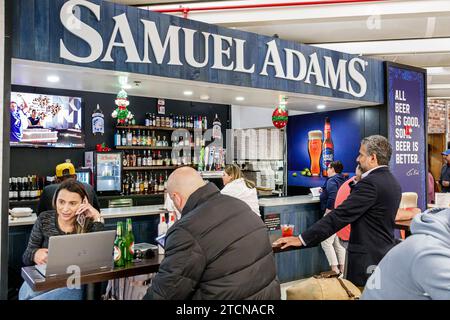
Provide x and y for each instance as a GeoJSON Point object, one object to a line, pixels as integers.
{"type": "Point", "coordinates": [332, 274]}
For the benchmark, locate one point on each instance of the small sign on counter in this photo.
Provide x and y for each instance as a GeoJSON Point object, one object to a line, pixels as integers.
{"type": "Point", "coordinates": [272, 221]}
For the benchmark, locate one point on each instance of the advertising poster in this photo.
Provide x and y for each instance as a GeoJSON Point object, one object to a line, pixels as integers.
{"type": "Point", "coordinates": [406, 105]}
{"type": "Point", "coordinates": [316, 139]}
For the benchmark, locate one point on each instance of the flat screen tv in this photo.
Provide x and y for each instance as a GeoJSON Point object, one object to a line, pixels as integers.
{"type": "Point", "coordinates": [40, 120]}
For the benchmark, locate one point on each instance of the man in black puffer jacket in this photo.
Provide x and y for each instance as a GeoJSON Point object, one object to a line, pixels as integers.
{"type": "Point", "coordinates": [219, 249]}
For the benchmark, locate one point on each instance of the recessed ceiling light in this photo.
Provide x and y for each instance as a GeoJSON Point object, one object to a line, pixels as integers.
{"type": "Point", "coordinates": [240, 98]}
{"type": "Point", "coordinates": [53, 79]}
{"type": "Point", "coordinates": [321, 106]}
{"type": "Point", "coordinates": [204, 97]}
{"type": "Point", "coordinates": [188, 93]}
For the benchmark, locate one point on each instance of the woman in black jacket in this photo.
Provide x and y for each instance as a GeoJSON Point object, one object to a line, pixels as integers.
{"type": "Point", "coordinates": [73, 215]}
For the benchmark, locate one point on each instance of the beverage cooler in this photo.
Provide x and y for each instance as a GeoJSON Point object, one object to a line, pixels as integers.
{"type": "Point", "coordinates": [84, 175]}
{"type": "Point", "coordinates": [107, 170]}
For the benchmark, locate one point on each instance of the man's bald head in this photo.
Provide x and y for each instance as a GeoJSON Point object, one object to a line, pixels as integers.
{"type": "Point", "coordinates": [181, 184]}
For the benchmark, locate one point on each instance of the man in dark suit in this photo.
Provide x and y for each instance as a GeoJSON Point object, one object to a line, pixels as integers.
{"type": "Point", "coordinates": [64, 171]}
{"type": "Point", "coordinates": [370, 209]}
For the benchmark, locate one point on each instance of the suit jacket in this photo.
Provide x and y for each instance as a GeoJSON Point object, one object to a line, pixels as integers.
{"type": "Point", "coordinates": [370, 209]}
{"type": "Point", "coordinates": [46, 199]}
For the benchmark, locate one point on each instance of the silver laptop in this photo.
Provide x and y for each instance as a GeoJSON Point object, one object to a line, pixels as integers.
{"type": "Point", "coordinates": [89, 251]}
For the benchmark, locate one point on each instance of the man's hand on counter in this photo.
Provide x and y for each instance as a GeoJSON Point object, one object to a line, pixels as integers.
{"type": "Point", "coordinates": [288, 242]}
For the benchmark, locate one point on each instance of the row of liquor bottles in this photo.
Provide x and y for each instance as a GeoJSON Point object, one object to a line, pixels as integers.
{"type": "Point", "coordinates": [25, 188]}
{"type": "Point", "coordinates": [149, 158]}
{"type": "Point", "coordinates": [173, 121]}
{"type": "Point", "coordinates": [132, 138]}
{"type": "Point", "coordinates": [144, 183]}
{"type": "Point", "coordinates": [176, 121]}
{"type": "Point", "coordinates": [139, 138]}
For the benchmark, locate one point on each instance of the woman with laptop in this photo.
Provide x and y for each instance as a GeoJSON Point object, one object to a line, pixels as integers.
{"type": "Point", "coordinates": [72, 215]}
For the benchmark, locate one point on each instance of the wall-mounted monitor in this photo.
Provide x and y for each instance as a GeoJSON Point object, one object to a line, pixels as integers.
{"type": "Point", "coordinates": [40, 120]}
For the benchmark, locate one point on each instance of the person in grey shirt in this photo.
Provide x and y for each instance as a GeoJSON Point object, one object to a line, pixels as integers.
{"type": "Point", "coordinates": [417, 268]}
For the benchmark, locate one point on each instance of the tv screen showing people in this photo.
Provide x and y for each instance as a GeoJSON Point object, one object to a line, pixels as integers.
{"type": "Point", "coordinates": [46, 120]}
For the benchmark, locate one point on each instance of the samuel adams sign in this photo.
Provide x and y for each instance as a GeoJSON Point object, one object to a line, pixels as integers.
{"type": "Point", "coordinates": [104, 35]}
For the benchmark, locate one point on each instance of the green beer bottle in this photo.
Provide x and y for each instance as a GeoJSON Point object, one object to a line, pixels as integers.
{"type": "Point", "coordinates": [119, 246]}
{"type": "Point", "coordinates": [129, 241]}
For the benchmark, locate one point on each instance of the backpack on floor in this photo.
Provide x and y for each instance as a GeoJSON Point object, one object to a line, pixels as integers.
{"type": "Point", "coordinates": [130, 288]}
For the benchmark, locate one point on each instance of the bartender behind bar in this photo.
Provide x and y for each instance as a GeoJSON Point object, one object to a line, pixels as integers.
{"type": "Point", "coordinates": [64, 171]}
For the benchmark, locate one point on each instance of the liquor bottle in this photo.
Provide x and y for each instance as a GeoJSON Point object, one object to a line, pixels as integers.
{"type": "Point", "coordinates": [131, 184]}
{"type": "Point", "coordinates": [98, 121]}
{"type": "Point", "coordinates": [147, 120]}
{"type": "Point", "coordinates": [217, 128]}
{"type": "Point", "coordinates": [150, 184]}
{"type": "Point", "coordinates": [149, 159]}
{"type": "Point", "coordinates": [158, 142]}
{"type": "Point", "coordinates": [40, 185]}
{"type": "Point", "coordinates": [119, 246]}
{"type": "Point", "coordinates": [117, 139]}
{"type": "Point", "coordinates": [34, 188]}
{"type": "Point", "coordinates": [10, 197]}
{"type": "Point", "coordinates": [138, 138]}
{"type": "Point", "coordinates": [155, 184]}
{"type": "Point", "coordinates": [134, 139]}
{"type": "Point", "coordinates": [164, 142]}
{"type": "Point", "coordinates": [171, 121]}
{"type": "Point", "coordinates": [171, 220]}
{"type": "Point", "coordinates": [141, 185]}
{"type": "Point", "coordinates": [129, 241]}
{"type": "Point", "coordinates": [137, 184]}
{"type": "Point", "coordinates": [165, 182]}
{"type": "Point", "coordinates": [160, 159]}
{"type": "Point", "coordinates": [158, 121]}
{"type": "Point", "coordinates": [153, 139]}
{"type": "Point", "coordinates": [328, 148]}
{"type": "Point", "coordinates": [130, 159]}
{"type": "Point", "coordinates": [123, 137]}
{"type": "Point", "coordinates": [145, 184]}
{"type": "Point", "coordinates": [149, 139]}
{"type": "Point", "coordinates": [154, 160]}
{"type": "Point", "coordinates": [161, 183]}
{"type": "Point", "coordinates": [125, 185]}
{"type": "Point", "coordinates": [129, 138]}
{"type": "Point", "coordinates": [162, 229]}
{"type": "Point", "coordinates": [138, 160]}
{"type": "Point", "coordinates": [16, 188]}
{"type": "Point", "coordinates": [21, 188]}
{"type": "Point", "coordinates": [144, 159]}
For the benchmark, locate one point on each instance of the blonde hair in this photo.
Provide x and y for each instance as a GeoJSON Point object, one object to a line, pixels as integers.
{"type": "Point", "coordinates": [235, 173]}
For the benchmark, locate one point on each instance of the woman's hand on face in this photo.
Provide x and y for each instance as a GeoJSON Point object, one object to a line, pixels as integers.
{"type": "Point", "coordinates": [88, 210]}
{"type": "Point", "coordinates": [40, 256]}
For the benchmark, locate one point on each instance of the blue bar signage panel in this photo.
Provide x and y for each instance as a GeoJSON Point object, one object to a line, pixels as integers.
{"type": "Point", "coordinates": [108, 36]}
